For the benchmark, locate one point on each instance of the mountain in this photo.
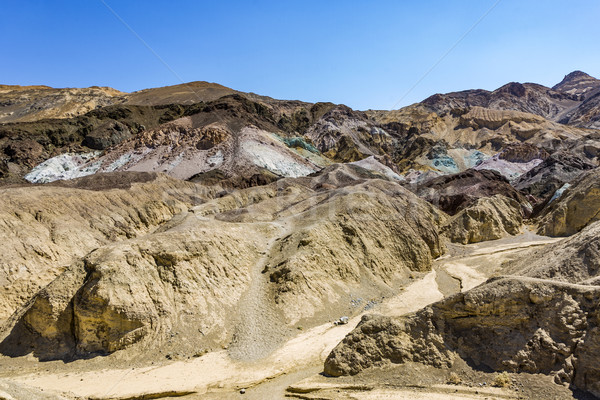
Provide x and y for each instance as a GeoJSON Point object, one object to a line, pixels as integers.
{"type": "Point", "coordinates": [266, 247]}
{"type": "Point", "coordinates": [578, 83]}
{"type": "Point", "coordinates": [573, 101]}
{"type": "Point", "coordinates": [195, 240]}
{"type": "Point", "coordinates": [416, 142]}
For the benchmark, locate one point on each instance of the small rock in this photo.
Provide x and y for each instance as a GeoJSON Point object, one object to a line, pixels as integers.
{"type": "Point", "coordinates": [242, 391]}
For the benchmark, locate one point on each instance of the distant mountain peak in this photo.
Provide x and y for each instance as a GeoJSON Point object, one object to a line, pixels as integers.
{"type": "Point", "coordinates": [577, 83]}
{"type": "Point", "coordinates": [577, 74]}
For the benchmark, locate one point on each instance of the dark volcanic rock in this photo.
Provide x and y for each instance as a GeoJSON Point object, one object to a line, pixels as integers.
{"type": "Point", "coordinates": [543, 180]}
{"type": "Point", "coordinates": [452, 193]}
{"type": "Point", "coordinates": [106, 135]}
{"type": "Point", "coordinates": [25, 151]}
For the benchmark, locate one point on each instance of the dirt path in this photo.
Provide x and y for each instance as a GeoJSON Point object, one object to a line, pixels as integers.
{"type": "Point", "coordinates": [260, 329]}
{"type": "Point", "coordinates": [275, 367]}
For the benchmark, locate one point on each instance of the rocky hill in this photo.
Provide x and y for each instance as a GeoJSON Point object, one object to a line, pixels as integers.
{"type": "Point", "coordinates": [436, 137]}
{"type": "Point", "coordinates": [573, 101]}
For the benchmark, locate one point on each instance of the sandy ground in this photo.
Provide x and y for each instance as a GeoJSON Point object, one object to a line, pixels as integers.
{"type": "Point", "coordinates": [218, 375]}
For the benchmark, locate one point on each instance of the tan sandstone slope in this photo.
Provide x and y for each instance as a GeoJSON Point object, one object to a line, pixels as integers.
{"type": "Point", "coordinates": [239, 270]}
{"type": "Point", "coordinates": [489, 218]}
{"type": "Point", "coordinates": [43, 229]}
{"type": "Point", "coordinates": [573, 209]}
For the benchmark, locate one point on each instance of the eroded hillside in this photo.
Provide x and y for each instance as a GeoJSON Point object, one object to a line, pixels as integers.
{"type": "Point", "coordinates": [215, 240]}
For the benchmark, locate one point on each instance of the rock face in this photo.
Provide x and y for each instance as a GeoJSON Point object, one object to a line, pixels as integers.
{"type": "Point", "coordinates": [273, 255]}
{"type": "Point", "coordinates": [556, 170]}
{"type": "Point", "coordinates": [488, 218]}
{"type": "Point", "coordinates": [456, 192]}
{"type": "Point", "coordinates": [108, 134]}
{"type": "Point", "coordinates": [508, 324]}
{"type": "Point", "coordinates": [575, 209]}
{"type": "Point", "coordinates": [526, 97]}
{"type": "Point", "coordinates": [23, 145]}
{"type": "Point", "coordinates": [44, 229]}
{"type": "Point", "coordinates": [523, 153]}
{"type": "Point", "coordinates": [543, 318]}
{"type": "Point", "coordinates": [578, 83]}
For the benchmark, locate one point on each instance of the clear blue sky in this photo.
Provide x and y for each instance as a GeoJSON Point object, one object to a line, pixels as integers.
{"type": "Point", "coordinates": [366, 54]}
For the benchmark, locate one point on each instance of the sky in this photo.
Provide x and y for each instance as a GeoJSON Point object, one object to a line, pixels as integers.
{"type": "Point", "coordinates": [365, 54]}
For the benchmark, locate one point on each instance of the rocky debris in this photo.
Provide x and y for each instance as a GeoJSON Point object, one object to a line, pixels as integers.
{"type": "Point", "coordinates": [453, 193]}
{"type": "Point", "coordinates": [24, 151]}
{"type": "Point", "coordinates": [508, 324]}
{"type": "Point", "coordinates": [318, 236]}
{"type": "Point", "coordinates": [108, 134]}
{"type": "Point", "coordinates": [552, 173]}
{"type": "Point", "coordinates": [578, 207]}
{"type": "Point", "coordinates": [488, 218]}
